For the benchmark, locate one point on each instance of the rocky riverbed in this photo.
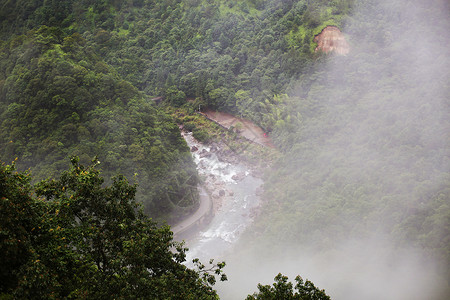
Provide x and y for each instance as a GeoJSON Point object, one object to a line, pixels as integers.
{"type": "Point", "coordinates": [234, 190]}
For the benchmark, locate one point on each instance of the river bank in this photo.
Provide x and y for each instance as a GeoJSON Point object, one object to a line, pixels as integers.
{"type": "Point", "coordinates": [231, 168]}
{"type": "Point", "coordinates": [225, 134]}
{"type": "Point", "coordinates": [229, 200]}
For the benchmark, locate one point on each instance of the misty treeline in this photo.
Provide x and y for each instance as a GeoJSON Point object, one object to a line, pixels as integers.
{"type": "Point", "coordinates": [363, 138]}
{"type": "Point", "coordinates": [366, 139]}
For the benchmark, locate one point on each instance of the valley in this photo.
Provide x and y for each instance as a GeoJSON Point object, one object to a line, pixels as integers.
{"type": "Point", "coordinates": [296, 137]}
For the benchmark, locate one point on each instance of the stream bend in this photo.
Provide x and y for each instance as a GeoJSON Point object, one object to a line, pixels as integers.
{"type": "Point", "coordinates": [228, 202]}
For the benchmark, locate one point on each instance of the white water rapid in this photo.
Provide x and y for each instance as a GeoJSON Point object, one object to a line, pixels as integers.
{"type": "Point", "coordinates": [233, 191]}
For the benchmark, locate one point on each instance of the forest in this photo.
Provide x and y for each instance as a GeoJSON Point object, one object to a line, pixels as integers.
{"type": "Point", "coordinates": [363, 139]}
{"type": "Point", "coordinates": [82, 74]}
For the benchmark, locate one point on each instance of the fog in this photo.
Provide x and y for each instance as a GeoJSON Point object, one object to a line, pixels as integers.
{"type": "Point", "coordinates": [387, 128]}
{"type": "Point", "coordinates": [352, 270]}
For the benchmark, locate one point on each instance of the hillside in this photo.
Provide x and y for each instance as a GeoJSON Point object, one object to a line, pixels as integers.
{"type": "Point", "coordinates": [59, 98]}
{"type": "Point", "coordinates": [363, 137]}
{"type": "Point", "coordinates": [362, 189]}
{"type": "Point", "coordinates": [76, 78]}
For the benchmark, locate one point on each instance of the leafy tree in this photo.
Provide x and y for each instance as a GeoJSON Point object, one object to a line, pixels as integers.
{"type": "Point", "coordinates": [282, 289]}
{"type": "Point", "coordinates": [78, 238]}
{"type": "Point", "coordinates": [175, 96]}
{"type": "Point", "coordinates": [19, 216]}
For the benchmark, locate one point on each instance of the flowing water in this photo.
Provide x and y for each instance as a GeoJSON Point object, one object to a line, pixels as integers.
{"type": "Point", "coordinates": [234, 191]}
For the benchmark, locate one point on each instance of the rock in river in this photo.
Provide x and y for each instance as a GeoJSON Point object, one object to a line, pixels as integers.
{"type": "Point", "coordinates": [205, 153]}
{"type": "Point", "coordinates": [238, 177]}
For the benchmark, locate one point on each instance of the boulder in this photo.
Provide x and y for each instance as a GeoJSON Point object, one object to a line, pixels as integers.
{"type": "Point", "coordinates": [238, 177]}
{"type": "Point", "coordinates": [205, 153]}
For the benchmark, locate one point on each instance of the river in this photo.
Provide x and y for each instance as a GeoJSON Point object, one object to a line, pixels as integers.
{"type": "Point", "coordinates": [233, 193]}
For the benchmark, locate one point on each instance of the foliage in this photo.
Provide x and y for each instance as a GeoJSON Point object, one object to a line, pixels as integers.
{"type": "Point", "coordinates": [369, 149]}
{"type": "Point", "coordinates": [282, 289]}
{"type": "Point", "coordinates": [73, 70]}
{"type": "Point", "coordinates": [77, 238]}
{"type": "Point", "coordinates": [363, 138]}
{"type": "Point", "coordinates": [60, 99]}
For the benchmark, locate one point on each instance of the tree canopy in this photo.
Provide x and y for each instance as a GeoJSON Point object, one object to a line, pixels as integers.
{"type": "Point", "coordinates": [73, 237]}
{"type": "Point", "coordinates": [282, 289]}
{"type": "Point", "coordinates": [363, 138]}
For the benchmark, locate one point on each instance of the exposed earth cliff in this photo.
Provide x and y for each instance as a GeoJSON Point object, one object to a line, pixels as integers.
{"type": "Point", "coordinates": [331, 39]}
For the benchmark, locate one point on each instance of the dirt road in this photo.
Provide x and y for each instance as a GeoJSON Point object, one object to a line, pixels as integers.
{"type": "Point", "coordinates": [203, 210]}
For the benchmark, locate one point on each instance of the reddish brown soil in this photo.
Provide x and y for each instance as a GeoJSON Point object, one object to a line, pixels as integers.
{"type": "Point", "coordinates": [248, 129]}
{"type": "Point", "coordinates": [331, 39]}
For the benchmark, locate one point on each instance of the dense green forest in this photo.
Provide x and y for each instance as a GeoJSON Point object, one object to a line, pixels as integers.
{"type": "Point", "coordinates": [363, 138]}
{"type": "Point", "coordinates": [60, 98]}
{"type": "Point", "coordinates": [82, 75]}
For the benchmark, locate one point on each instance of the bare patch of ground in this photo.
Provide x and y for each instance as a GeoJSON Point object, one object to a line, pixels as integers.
{"type": "Point", "coordinates": [245, 128]}
{"type": "Point", "coordinates": [331, 39]}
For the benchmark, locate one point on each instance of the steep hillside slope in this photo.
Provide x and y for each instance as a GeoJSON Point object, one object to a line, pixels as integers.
{"type": "Point", "coordinates": [59, 99]}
